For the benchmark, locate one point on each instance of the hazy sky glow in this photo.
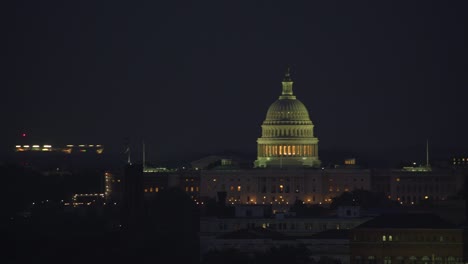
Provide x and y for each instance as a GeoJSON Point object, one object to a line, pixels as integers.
{"type": "Point", "coordinates": [375, 75]}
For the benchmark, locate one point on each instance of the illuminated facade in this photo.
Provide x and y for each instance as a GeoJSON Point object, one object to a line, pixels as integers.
{"type": "Point", "coordinates": [413, 187]}
{"type": "Point", "coordinates": [287, 133]}
{"type": "Point", "coordinates": [285, 168]}
{"type": "Point", "coordinates": [460, 161]}
{"type": "Point", "coordinates": [281, 187]}
{"type": "Point", "coordinates": [158, 179]}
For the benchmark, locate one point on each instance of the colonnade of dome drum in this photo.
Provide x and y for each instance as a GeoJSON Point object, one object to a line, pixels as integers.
{"type": "Point", "coordinates": [287, 132]}
{"type": "Point", "coordinates": [287, 150]}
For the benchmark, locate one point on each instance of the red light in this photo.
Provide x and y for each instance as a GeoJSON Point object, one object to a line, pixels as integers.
{"type": "Point", "coordinates": [23, 135]}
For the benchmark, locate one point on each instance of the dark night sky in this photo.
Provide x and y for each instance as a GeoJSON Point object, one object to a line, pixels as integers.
{"type": "Point", "coordinates": [376, 76]}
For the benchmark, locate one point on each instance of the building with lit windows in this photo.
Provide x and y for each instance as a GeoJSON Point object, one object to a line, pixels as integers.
{"type": "Point", "coordinates": [460, 161]}
{"type": "Point", "coordinates": [157, 179]}
{"type": "Point", "coordinates": [414, 186]}
{"type": "Point", "coordinates": [113, 185]}
{"type": "Point", "coordinates": [250, 229]}
{"type": "Point", "coordinates": [52, 159]}
{"type": "Point", "coordinates": [287, 169]}
{"type": "Point", "coordinates": [407, 238]}
{"type": "Point", "coordinates": [281, 187]}
{"type": "Point", "coordinates": [67, 149]}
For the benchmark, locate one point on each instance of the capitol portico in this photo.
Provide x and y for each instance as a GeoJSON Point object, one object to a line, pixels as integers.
{"type": "Point", "coordinates": [287, 133]}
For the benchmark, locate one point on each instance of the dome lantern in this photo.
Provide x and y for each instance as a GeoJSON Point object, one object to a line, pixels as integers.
{"type": "Point", "coordinates": [287, 86]}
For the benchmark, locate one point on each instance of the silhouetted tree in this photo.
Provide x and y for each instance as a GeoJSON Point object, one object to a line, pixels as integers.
{"type": "Point", "coordinates": [307, 210]}
{"type": "Point", "coordinates": [328, 260]}
{"type": "Point", "coordinates": [171, 225]}
{"type": "Point", "coordinates": [363, 198]}
{"type": "Point", "coordinates": [227, 256]}
{"type": "Point", "coordinates": [299, 254]}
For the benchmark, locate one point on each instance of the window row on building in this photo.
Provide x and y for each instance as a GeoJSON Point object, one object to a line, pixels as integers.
{"type": "Point", "coordinates": [434, 259]}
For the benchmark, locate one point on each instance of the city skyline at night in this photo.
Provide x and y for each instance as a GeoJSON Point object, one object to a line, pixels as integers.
{"type": "Point", "coordinates": [319, 132]}
{"type": "Point", "coordinates": [378, 80]}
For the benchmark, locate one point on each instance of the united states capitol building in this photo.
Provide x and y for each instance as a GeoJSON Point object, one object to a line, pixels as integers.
{"type": "Point", "coordinates": [287, 133]}
{"type": "Point", "coordinates": [287, 172]}
{"type": "Point", "coordinates": [288, 169]}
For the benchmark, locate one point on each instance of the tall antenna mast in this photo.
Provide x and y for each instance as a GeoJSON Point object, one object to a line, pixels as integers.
{"type": "Point", "coordinates": [427, 152]}
{"type": "Point", "coordinates": [144, 156]}
{"type": "Point", "coordinates": [127, 150]}
{"type": "Point", "coordinates": [129, 161]}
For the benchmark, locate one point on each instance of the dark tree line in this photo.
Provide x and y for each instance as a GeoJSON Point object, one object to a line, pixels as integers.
{"type": "Point", "coordinates": [284, 254]}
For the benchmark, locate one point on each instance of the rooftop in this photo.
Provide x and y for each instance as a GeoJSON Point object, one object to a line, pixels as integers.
{"type": "Point", "coordinates": [253, 233]}
{"type": "Point", "coordinates": [408, 221]}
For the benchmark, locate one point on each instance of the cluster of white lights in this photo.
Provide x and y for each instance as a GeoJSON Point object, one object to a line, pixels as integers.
{"type": "Point", "coordinates": [107, 177]}
{"type": "Point", "coordinates": [34, 146]}
{"type": "Point", "coordinates": [88, 194]}
{"type": "Point", "coordinates": [85, 195]}
{"type": "Point", "coordinates": [46, 201]}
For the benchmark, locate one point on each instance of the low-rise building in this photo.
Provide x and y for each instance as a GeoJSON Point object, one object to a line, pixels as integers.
{"type": "Point", "coordinates": [407, 238]}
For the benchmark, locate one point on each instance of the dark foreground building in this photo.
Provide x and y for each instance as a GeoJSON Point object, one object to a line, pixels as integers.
{"type": "Point", "coordinates": [407, 239]}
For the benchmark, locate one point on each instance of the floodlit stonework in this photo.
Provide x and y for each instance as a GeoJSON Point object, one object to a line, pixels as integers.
{"type": "Point", "coordinates": [287, 133]}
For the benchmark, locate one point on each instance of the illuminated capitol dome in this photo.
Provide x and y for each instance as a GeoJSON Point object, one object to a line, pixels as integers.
{"type": "Point", "coordinates": [287, 133]}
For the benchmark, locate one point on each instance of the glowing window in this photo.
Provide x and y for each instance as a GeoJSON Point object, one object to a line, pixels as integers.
{"type": "Point", "coordinates": [151, 189]}
{"type": "Point", "coordinates": [390, 238]}
{"type": "Point", "coordinates": [384, 238]}
{"type": "Point", "coordinates": [387, 260]}
{"type": "Point", "coordinates": [239, 188]}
